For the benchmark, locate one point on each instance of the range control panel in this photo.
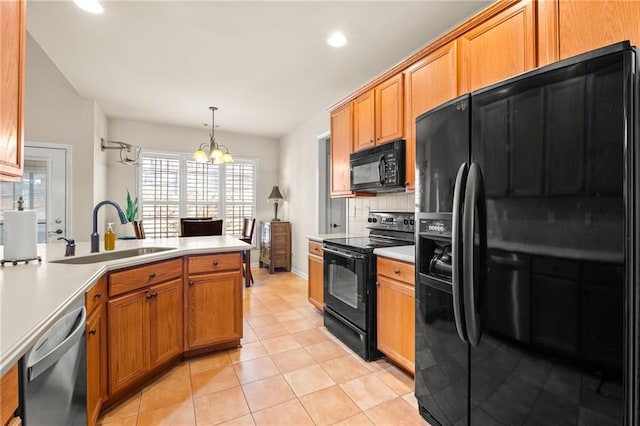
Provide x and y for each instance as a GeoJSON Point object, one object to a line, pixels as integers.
{"type": "Point", "coordinates": [395, 221]}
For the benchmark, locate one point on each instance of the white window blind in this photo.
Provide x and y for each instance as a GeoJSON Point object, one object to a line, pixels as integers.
{"type": "Point", "coordinates": [175, 186]}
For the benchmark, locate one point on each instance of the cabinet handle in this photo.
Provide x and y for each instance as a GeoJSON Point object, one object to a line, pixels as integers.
{"type": "Point", "coordinates": [377, 139]}
{"type": "Point", "coordinates": [377, 283]}
{"type": "Point", "coordinates": [396, 271]}
{"type": "Point", "coordinates": [152, 275]}
{"type": "Point", "coordinates": [191, 282]}
{"type": "Point", "coordinates": [97, 295]}
{"type": "Point", "coordinates": [149, 296]}
{"type": "Point", "coordinates": [215, 263]}
{"type": "Point", "coordinates": [92, 332]}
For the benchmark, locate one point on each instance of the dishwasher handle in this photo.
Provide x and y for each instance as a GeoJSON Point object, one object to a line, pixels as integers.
{"type": "Point", "coordinates": [40, 364]}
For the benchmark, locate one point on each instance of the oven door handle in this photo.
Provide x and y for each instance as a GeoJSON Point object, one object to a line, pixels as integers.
{"type": "Point", "coordinates": [343, 254]}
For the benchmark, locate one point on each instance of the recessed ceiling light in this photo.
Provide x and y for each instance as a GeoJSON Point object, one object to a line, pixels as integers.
{"type": "Point", "coordinates": [337, 40]}
{"type": "Point", "coordinates": [91, 6]}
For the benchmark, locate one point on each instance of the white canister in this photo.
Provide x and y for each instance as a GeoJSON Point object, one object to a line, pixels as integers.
{"type": "Point", "coordinates": [20, 235]}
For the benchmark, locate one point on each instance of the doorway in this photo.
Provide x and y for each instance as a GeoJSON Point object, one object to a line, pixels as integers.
{"type": "Point", "coordinates": [44, 188]}
{"type": "Point", "coordinates": [332, 212]}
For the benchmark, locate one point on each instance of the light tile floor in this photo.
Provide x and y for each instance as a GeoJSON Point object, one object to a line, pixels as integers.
{"type": "Point", "coordinates": [289, 371]}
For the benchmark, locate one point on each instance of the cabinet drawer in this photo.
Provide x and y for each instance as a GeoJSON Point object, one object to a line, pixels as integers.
{"type": "Point", "coordinates": [214, 263]}
{"type": "Point", "coordinates": [143, 276]}
{"type": "Point", "coordinates": [397, 270]}
{"type": "Point", "coordinates": [315, 248]}
{"type": "Point", "coordinates": [96, 295]}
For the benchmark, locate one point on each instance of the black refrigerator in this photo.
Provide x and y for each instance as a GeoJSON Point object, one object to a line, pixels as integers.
{"type": "Point", "coordinates": [527, 253]}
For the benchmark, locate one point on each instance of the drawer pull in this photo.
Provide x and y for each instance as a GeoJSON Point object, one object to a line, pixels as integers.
{"type": "Point", "coordinates": [191, 283]}
{"type": "Point", "coordinates": [215, 263]}
{"type": "Point", "coordinates": [92, 332]}
{"type": "Point", "coordinates": [152, 275]}
{"type": "Point", "coordinates": [97, 295]}
{"type": "Point", "coordinates": [396, 271]}
{"type": "Point", "coordinates": [149, 296]}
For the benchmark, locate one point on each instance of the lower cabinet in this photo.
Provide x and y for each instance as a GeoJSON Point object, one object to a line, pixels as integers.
{"type": "Point", "coordinates": [9, 397]}
{"type": "Point", "coordinates": [96, 341]}
{"type": "Point", "coordinates": [396, 312]}
{"type": "Point", "coordinates": [145, 330]}
{"type": "Point", "coordinates": [214, 300]}
{"type": "Point", "coordinates": [316, 275]}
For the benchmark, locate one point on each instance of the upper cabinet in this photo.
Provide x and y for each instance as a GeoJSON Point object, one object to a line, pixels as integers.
{"type": "Point", "coordinates": [341, 147]}
{"type": "Point", "coordinates": [12, 51]}
{"type": "Point", "coordinates": [570, 27]}
{"type": "Point", "coordinates": [499, 47]}
{"type": "Point", "coordinates": [378, 114]}
{"type": "Point", "coordinates": [428, 83]}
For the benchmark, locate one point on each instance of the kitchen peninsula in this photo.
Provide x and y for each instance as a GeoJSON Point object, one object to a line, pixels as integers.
{"type": "Point", "coordinates": [34, 296]}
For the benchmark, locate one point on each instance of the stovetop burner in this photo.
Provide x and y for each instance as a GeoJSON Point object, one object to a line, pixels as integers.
{"type": "Point", "coordinates": [367, 243]}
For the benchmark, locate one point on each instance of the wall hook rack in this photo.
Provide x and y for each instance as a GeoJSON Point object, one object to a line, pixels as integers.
{"type": "Point", "coordinates": [125, 149]}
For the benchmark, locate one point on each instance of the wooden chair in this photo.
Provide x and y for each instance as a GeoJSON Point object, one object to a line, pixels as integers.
{"type": "Point", "coordinates": [200, 227]}
{"type": "Point", "coordinates": [139, 230]}
{"type": "Point", "coordinates": [248, 225]}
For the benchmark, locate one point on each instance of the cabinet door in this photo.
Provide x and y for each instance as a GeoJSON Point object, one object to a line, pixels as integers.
{"type": "Point", "coordinates": [500, 47]}
{"type": "Point", "coordinates": [165, 322]}
{"type": "Point", "coordinates": [316, 283]}
{"type": "Point", "coordinates": [389, 101]}
{"type": "Point", "coordinates": [586, 25]}
{"type": "Point", "coordinates": [364, 121]}
{"type": "Point", "coordinates": [128, 339]}
{"type": "Point", "coordinates": [341, 146]}
{"type": "Point", "coordinates": [396, 316]}
{"type": "Point", "coordinates": [429, 82]}
{"type": "Point", "coordinates": [96, 333]}
{"type": "Point", "coordinates": [214, 309]}
{"type": "Point", "coordinates": [12, 49]}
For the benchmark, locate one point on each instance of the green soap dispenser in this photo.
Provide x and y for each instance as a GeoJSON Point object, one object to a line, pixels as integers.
{"type": "Point", "coordinates": [109, 238]}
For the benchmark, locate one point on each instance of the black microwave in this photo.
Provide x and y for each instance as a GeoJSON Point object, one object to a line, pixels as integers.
{"type": "Point", "coordinates": [379, 169]}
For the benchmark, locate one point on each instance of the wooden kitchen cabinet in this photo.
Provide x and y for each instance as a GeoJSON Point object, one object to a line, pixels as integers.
{"type": "Point", "coordinates": [275, 245]}
{"type": "Point", "coordinates": [429, 82]}
{"type": "Point", "coordinates": [570, 27]}
{"type": "Point", "coordinates": [145, 324]}
{"type": "Point", "coordinates": [498, 48]}
{"type": "Point", "coordinates": [9, 396]}
{"type": "Point", "coordinates": [96, 343]}
{"type": "Point", "coordinates": [396, 311]}
{"type": "Point", "coordinates": [12, 56]}
{"type": "Point", "coordinates": [316, 275]}
{"type": "Point", "coordinates": [214, 301]}
{"type": "Point", "coordinates": [341, 146]}
{"type": "Point", "coordinates": [378, 115]}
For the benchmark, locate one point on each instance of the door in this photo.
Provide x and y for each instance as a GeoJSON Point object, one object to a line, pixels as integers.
{"type": "Point", "coordinates": [128, 347]}
{"type": "Point", "coordinates": [165, 322]}
{"type": "Point", "coordinates": [44, 188]}
{"type": "Point", "coordinates": [214, 310]}
{"type": "Point", "coordinates": [345, 277]}
{"type": "Point", "coordinates": [96, 362]}
{"type": "Point", "coordinates": [553, 196]}
{"type": "Point", "coordinates": [332, 212]}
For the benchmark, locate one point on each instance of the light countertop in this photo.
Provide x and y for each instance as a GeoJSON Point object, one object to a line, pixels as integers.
{"type": "Point", "coordinates": [321, 237]}
{"type": "Point", "coordinates": [34, 296]}
{"type": "Point", "coordinates": [402, 253]}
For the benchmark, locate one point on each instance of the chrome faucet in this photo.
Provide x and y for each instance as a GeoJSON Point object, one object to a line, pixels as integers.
{"type": "Point", "coordinates": [95, 237]}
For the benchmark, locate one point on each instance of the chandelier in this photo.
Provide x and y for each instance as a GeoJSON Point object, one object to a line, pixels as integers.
{"type": "Point", "coordinates": [212, 151]}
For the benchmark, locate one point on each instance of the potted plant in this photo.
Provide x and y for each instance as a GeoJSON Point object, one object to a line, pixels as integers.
{"type": "Point", "coordinates": [131, 212]}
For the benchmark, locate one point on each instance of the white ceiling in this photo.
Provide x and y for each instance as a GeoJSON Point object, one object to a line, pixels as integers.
{"type": "Point", "coordinates": [264, 64]}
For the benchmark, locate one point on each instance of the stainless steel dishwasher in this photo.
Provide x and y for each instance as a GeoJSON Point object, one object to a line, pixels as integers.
{"type": "Point", "coordinates": [54, 373]}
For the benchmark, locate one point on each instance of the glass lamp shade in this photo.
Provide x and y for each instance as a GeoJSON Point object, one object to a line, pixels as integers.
{"type": "Point", "coordinates": [216, 155]}
{"type": "Point", "coordinates": [200, 156]}
{"type": "Point", "coordinates": [227, 157]}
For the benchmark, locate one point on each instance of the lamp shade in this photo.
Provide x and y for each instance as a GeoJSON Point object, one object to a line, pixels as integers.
{"type": "Point", "coordinates": [275, 194]}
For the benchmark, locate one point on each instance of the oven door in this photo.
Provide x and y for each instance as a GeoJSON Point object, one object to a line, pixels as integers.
{"type": "Point", "coordinates": [345, 287]}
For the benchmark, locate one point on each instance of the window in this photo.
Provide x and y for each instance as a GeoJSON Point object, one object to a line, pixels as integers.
{"type": "Point", "coordinates": [174, 186]}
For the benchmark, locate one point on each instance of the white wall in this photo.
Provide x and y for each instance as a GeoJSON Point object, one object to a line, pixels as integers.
{"type": "Point", "coordinates": [182, 139]}
{"type": "Point", "coordinates": [54, 112]}
{"type": "Point", "coordinates": [299, 186]}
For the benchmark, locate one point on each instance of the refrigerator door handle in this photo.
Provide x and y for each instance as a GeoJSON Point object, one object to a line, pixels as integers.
{"type": "Point", "coordinates": [474, 205]}
{"type": "Point", "coordinates": [456, 253]}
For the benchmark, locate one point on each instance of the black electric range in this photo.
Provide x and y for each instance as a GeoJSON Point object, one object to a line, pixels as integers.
{"type": "Point", "coordinates": [350, 276]}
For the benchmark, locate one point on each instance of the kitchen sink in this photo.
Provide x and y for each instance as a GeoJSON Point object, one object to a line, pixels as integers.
{"type": "Point", "coordinates": [105, 257]}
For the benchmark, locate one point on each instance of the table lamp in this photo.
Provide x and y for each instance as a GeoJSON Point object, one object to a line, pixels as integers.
{"type": "Point", "coordinates": [275, 197]}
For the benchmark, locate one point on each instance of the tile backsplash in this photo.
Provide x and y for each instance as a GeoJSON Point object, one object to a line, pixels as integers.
{"type": "Point", "coordinates": [359, 208]}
